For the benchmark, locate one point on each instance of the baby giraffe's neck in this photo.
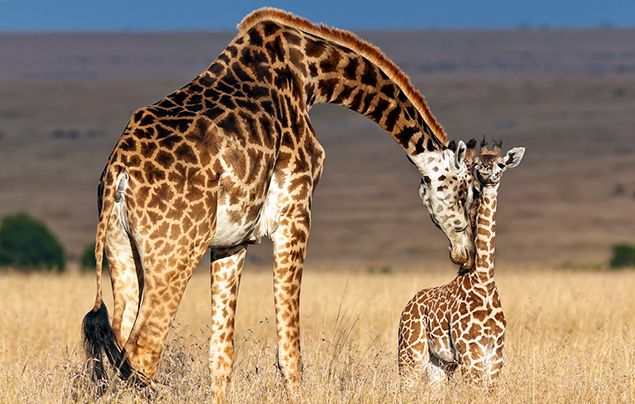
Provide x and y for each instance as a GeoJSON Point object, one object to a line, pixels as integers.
{"type": "Point", "coordinates": [486, 234]}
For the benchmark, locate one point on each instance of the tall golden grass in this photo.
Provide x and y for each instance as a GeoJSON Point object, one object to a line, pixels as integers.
{"type": "Point", "coordinates": [571, 338]}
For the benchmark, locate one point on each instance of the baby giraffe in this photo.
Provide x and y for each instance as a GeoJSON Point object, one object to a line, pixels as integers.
{"type": "Point", "coordinates": [461, 324]}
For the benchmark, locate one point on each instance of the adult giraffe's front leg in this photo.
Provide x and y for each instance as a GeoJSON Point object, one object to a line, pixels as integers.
{"type": "Point", "coordinates": [289, 242]}
{"type": "Point", "coordinates": [225, 272]}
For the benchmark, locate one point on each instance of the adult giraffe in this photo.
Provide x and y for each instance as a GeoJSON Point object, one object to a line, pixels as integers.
{"type": "Point", "coordinates": [232, 157]}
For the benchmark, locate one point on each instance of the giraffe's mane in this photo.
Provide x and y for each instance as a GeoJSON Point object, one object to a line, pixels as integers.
{"type": "Point", "coordinates": [351, 41]}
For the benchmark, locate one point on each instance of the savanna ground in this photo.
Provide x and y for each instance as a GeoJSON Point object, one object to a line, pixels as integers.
{"type": "Point", "coordinates": [571, 338]}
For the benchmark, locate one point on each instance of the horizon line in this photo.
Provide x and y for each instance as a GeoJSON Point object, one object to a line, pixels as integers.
{"type": "Point", "coordinates": [600, 27]}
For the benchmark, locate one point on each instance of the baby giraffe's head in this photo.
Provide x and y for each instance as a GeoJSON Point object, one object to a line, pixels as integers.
{"type": "Point", "coordinates": [490, 164]}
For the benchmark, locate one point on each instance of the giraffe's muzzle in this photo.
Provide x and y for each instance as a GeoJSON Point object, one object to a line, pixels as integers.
{"type": "Point", "coordinates": [462, 250]}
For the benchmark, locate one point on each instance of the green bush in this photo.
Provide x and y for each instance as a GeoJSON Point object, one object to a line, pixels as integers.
{"type": "Point", "coordinates": [87, 260]}
{"type": "Point", "coordinates": [623, 256]}
{"type": "Point", "coordinates": [26, 244]}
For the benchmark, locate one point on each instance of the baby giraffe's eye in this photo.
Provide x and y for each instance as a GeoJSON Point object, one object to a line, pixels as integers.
{"type": "Point", "coordinates": [501, 165]}
{"type": "Point", "coordinates": [422, 188]}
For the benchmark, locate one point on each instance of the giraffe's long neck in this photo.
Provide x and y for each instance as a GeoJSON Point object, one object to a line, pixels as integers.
{"type": "Point", "coordinates": [340, 76]}
{"type": "Point", "coordinates": [486, 234]}
{"type": "Point", "coordinates": [323, 69]}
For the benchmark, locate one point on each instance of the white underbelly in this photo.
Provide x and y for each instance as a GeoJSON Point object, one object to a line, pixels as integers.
{"type": "Point", "coordinates": [233, 229]}
{"type": "Point", "coordinates": [229, 232]}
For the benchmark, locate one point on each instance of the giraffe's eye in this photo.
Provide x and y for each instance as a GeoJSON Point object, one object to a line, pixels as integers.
{"type": "Point", "coordinates": [422, 190]}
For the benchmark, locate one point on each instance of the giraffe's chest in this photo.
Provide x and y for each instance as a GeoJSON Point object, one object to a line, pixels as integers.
{"type": "Point", "coordinates": [477, 321]}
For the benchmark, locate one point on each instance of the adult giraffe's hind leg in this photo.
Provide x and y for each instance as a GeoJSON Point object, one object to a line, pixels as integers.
{"type": "Point", "coordinates": [169, 260]}
{"type": "Point", "coordinates": [225, 272]}
{"type": "Point", "coordinates": [165, 279]}
{"type": "Point", "coordinates": [125, 276]}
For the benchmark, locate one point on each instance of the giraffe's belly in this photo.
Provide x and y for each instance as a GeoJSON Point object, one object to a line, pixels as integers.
{"type": "Point", "coordinates": [230, 229]}
{"type": "Point", "coordinates": [247, 220]}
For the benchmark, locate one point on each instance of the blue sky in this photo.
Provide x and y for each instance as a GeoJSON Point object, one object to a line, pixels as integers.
{"type": "Point", "coordinates": [142, 15]}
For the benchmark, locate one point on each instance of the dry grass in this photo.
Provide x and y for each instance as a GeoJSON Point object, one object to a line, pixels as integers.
{"type": "Point", "coordinates": [570, 338]}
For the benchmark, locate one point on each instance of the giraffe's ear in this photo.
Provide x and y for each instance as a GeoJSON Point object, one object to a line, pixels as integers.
{"type": "Point", "coordinates": [460, 153]}
{"type": "Point", "coordinates": [514, 156]}
{"type": "Point", "coordinates": [470, 154]}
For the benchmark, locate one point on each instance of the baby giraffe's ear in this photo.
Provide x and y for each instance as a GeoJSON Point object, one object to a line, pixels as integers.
{"type": "Point", "coordinates": [514, 156]}
{"type": "Point", "coordinates": [470, 154]}
{"type": "Point", "coordinates": [460, 153]}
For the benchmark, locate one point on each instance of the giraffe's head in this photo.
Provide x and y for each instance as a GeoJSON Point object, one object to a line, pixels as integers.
{"type": "Point", "coordinates": [491, 164]}
{"type": "Point", "coordinates": [446, 191]}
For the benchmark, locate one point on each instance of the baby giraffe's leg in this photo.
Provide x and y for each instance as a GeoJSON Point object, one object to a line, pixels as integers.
{"type": "Point", "coordinates": [436, 373]}
{"type": "Point", "coordinates": [495, 362]}
{"type": "Point", "coordinates": [413, 351]}
{"type": "Point", "coordinates": [472, 356]}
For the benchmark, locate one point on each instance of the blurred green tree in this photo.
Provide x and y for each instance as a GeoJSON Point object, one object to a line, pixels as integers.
{"type": "Point", "coordinates": [27, 244]}
{"type": "Point", "coordinates": [623, 256]}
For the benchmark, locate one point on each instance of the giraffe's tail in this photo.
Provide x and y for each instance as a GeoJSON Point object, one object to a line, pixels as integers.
{"type": "Point", "coordinates": [98, 334]}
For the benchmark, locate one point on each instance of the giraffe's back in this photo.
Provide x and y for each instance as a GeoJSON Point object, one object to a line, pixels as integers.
{"type": "Point", "coordinates": [222, 137]}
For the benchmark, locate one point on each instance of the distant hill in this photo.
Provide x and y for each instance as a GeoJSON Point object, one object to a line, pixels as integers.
{"type": "Point", "coordinates": [568, 96]}
{"type": "Point", "coordinates": [440, 53]}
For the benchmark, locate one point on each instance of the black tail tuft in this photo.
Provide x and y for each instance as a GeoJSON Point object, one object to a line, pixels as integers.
{"type": "Point", "coordinates": [99, 337]}
{"type": "Point", "coordinates": [96, 331]}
